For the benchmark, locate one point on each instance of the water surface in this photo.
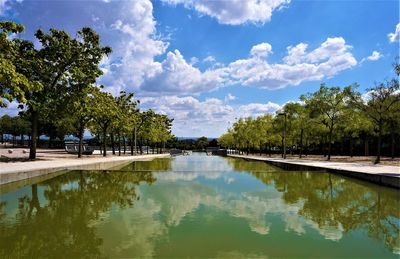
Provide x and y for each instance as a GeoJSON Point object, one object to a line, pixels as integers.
{"type": "Point", "coordinates": [199, 206]}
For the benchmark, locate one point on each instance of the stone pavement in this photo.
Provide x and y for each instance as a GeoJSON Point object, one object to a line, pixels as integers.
{"type": "Point", "coordinates": [380, 174]}
{"type": "Point", "coordinates": [11, 172]}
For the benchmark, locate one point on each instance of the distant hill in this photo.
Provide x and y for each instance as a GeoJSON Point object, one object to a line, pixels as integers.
{"type": "Point", "coordinates": [193, 138]}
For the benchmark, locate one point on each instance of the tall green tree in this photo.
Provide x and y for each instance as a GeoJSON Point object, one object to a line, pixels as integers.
{"type": "Point", "coordinates": [13, 84]}
{"type": "Point", "coordinates": [327, 104]}
{"type": "Point", "coordinates": [64, 66]}
{"type": "Point", "coordinates": [104, 110]}
{"type": "Point", "coordinates": [381, 107]}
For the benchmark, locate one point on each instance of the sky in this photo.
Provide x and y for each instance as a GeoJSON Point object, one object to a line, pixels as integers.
{"type": "Point", "coordinates": [208, 63]}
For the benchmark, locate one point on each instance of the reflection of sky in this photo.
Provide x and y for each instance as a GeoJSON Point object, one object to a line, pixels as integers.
{"type": "Point", "coordinates": [11, 199]}
{"type": "Point", "coordinates": [166, 205]}
{"type": "Point", "coordinates": [211, 184]}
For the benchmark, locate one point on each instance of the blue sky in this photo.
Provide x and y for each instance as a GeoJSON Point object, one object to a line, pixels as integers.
{"type": "Point", "coordinates": [205, 63]}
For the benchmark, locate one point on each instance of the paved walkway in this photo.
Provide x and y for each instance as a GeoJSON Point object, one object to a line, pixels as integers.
{"type": "Point", "coordinates": [381, 174]}
{"type": "Point", "coordinates": [11, 172]}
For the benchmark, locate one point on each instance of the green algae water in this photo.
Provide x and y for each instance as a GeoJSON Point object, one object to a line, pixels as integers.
{"type": "Point", "coordinates": [198, 206]}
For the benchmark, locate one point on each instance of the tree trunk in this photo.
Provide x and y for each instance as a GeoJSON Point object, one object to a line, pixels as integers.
{"type": "Point", "coordinates": [104, 141]}
{"type": "Point", "coordinates": [112, 143]}
{"type": "Point", "coordinates": [34, 121]}
{"type": "Point", "coordinates": [34, 203]}
{"type": "Point", "coordinates": [342, 147]}
{"type": "Point", "coordinates": [301, 143]}
{"type": "Point", "coordinates": [119, 144]}
{"type": "Point", "coordinates": [124, 144]}
{"type": "Point", "coordinates": [131, 143]}
{"type": "Point", "coordinates": [80, 148]}
{"type": "Point", "coordinates": [378, 155]}
{"type": "Point", "coordinates": [330, 142]}
{"type": "Point", "coordinates": [393, 144]}
{"type": "Point", "coordinates": [141, 146]}
{"type": "Point", "coordinates": [366, 146]}
{"type": "Point", "coordinates": [351, 146]}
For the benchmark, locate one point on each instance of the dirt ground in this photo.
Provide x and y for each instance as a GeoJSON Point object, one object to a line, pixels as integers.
{"type": "Point", "coordinates": [22, 154]}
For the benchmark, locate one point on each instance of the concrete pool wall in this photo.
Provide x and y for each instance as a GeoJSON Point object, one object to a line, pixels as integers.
{"type": "Point", "coordinates": [379, 174]}
{"type": "Point", "coordinates": [13, 172]}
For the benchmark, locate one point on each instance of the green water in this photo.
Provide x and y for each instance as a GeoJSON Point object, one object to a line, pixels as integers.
{"type": "Point", "coordinates": [198, 206]}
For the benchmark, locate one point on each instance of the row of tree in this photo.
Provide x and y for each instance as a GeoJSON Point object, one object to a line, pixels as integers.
{"type": "Point", "coordinates": [327, 117]}
{"type": "Point", "coordinates": [56, 83]}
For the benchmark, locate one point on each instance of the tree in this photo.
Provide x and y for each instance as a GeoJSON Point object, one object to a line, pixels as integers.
{"type": "Point", "coordinates": [13, 84]}
{"type": "Point", "coordinates": [5, 126]}
{"type": "Point", "coordinates": [327, 104]}
{"type": "Point", "coordinates": [127, 119]}
{"type": "Point", "coordinates": [63, 66]}
{"type": "Point", "coordinates": [201, 143]}
{"type": "Point", "coordinates": [298, 124]}
{"type": "Point", "coordinates": [381, 107]}
{"type": "Point", "coordinates": [104, 110]}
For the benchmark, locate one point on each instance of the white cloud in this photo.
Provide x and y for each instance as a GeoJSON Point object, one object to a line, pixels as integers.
{"type": "Point", "coordinates": [132, 65]}
{"type": "Point", "coordinates": [132, 60]}
{"type": "Point", "coordinates": [299, 66]}
{"type": "Point", "coordinates": [211, 117]}
{"type": "Point", "coordinates": [193, 60]}
{"type": "Point", "coordinates": [12, 108]}
{"type": "Point", "coordinates": [209, 59]}
{"type": "Point", "coordinates": [374, 56]}
{"type": "Point", "coordinates": [176, 76]}
{"type": "Point", "coordinates": [395, 36]}
{"type": "Point", "coordinates": [261, 50]}
{"type": "Point", "coordinates": [257, 109]}
{"type": "Point", "coordinates": [229, 97]}
{"type": "Point", "coordinates": [4, 5]}
{"type": "Point", "coordinates": [295, 54]}
{"type": "Point", "coordinates": [234, 12]}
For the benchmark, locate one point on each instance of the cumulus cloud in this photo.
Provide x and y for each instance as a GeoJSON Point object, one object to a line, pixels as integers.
{"type": "Point", "coordinates": [133, 65]}
{"type": "Point", "coordinates": [176, 76]}
{"type": "Point", "coordinates": [229, 97]}
{"type": "Point", "coordinates": [132, 60]}
{"type": "Point", "coordinates": [258, 109]}
{"type": "Point", "coordinates": [261, 50]}
{"type": "Point", "coordinates": [194, 118]}
{"type": "Point", "coordinates": [12, 108]}
{"type": "Point", "coordinates": [374, 56]}
{"type": "Point", "coordinates": [332, 57]}
{"type": "Point", "coordinates": [234, 12]}
{"type": "Point", "coordinates": [394, 36]}
{"type": "Point", "coordinates": [4, 5]}
{"type": "Point", "coordinates": [209, 59]}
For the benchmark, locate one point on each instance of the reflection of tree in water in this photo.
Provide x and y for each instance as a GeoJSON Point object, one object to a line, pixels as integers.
{"type": "Point", "coordinates": [332, 201]}
{"type": "Point", "coordinates": [63, 225]}
{"type": "Point", "coordinates": [160, 164]}
{"type": "Point", "coordinates": [249, 166]}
